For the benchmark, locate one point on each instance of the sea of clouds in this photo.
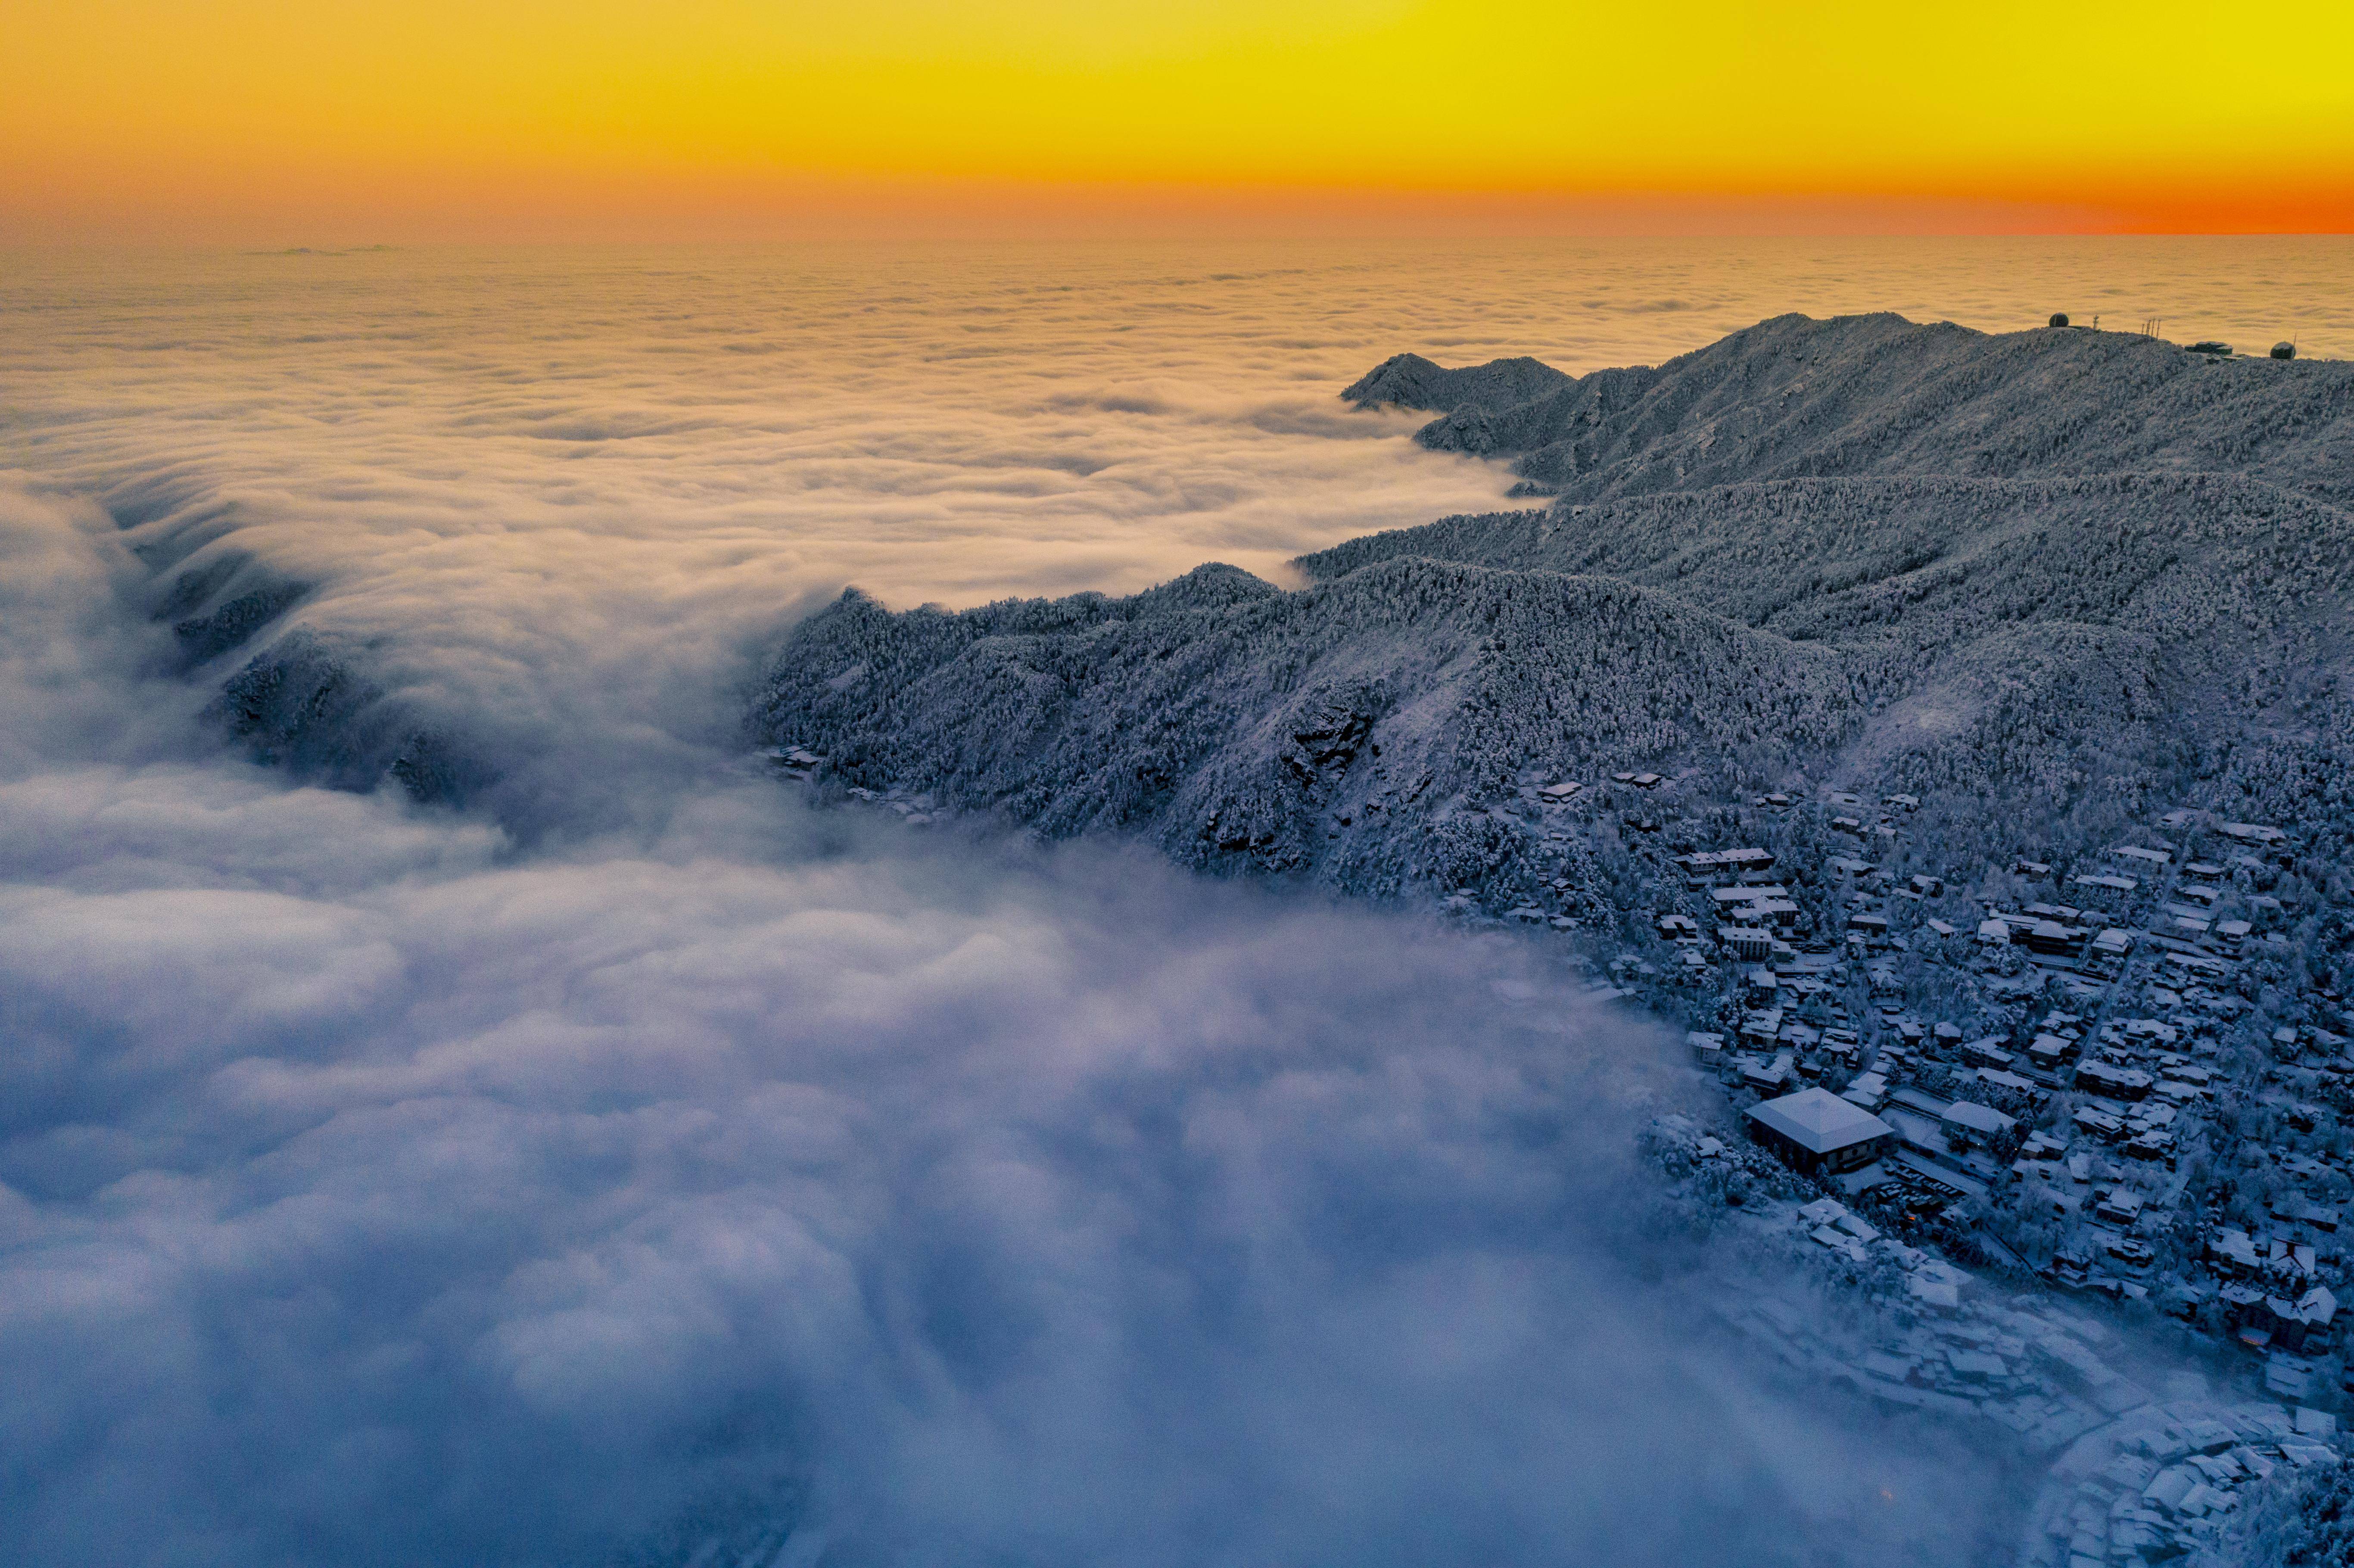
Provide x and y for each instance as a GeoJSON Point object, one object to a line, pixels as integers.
{"type": "Point", "coordinates": [573, 495]}
{"type": "Point", "coordinates": [642, 1167]}
{"type": "Point", "coordinates": [373, 1192]}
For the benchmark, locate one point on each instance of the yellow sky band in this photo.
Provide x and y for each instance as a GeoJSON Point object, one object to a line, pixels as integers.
{"type": "Point", "coordinates": [2157, 114]}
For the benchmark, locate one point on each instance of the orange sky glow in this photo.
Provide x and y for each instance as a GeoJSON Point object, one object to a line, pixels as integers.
{"type": "Point", "coordinates": [263, 121]}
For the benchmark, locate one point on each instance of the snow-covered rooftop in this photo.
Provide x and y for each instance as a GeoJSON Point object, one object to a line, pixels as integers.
{"type": "Point", "coordinates": [1819, 1121]}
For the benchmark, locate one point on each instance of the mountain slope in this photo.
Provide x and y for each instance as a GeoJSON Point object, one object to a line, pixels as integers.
{"type": "Point", "coordinates": [1925, 561]}
{"type": "Point", "coordinates": [1292, 730]}
{"type": "Point", "coordinates": [1795, 398]}
{"type": "Point", "coordinates": [314, 701]}
{"type": "Point", "coordinates": [2021, 570]}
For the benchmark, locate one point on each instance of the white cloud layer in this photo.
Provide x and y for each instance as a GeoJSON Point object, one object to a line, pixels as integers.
{"type": "Point", "coordinates": [373, 1193]}
{"type": "Point", "coordinates": [375, 1188]}
{"type": "Point", "coordinates": [565, 498]}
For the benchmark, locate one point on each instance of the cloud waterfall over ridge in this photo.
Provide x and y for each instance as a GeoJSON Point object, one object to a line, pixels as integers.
{"type": "Point", "coordinates": [635, 1167]}
{"type": "Point", "coordinates": [373, 1192]}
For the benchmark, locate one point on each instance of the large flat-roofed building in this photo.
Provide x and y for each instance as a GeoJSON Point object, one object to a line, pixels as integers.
{"type": "Point", "coordinates": [1816, 1131]}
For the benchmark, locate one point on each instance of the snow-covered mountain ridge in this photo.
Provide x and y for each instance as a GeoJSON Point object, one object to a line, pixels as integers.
{"type": "Point", "coordinates": [2028, 568]}
{"type": "Point", "coordinates": [1877, 394]}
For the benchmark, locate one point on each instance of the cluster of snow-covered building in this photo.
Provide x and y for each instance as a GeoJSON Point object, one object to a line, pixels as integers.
{"type": "Point", "coordinates": [2113, 1073]}
{"type": "Point", "coordinates": [2141, 1462]}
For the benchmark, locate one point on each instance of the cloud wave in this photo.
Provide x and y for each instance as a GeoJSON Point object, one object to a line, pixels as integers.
{"type": "Point", "coordinates": [374, 1193]}
{"type": "Point", "coordinates": [699, 1179]}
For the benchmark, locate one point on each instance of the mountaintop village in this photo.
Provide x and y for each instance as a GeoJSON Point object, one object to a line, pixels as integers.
{"type": "Point", "coordinates": [2122, 1074]}
{"type": "Point", "coordinates": [2118, 1075]}
{"type": "Point", "coordinates": [1982, 836]}
{"type": "Point", "coordinates": [2114, 1074]}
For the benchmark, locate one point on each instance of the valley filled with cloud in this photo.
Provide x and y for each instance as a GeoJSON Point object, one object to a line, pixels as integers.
{"type": "Point", "coordinates": [632, 1160]}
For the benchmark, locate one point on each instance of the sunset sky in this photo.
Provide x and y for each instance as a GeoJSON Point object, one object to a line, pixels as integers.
{"type": "Point", "coordinates": [356, 120]}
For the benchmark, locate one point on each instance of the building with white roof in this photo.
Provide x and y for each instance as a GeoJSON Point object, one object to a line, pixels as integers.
{"type": "Point", "coordinates": [1967, 1121]}
{"type": "Point", "coordinates": [1815, 1130]}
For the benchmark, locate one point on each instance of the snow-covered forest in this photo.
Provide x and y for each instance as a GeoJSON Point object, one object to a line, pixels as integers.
{"type": "Point", "coordinates": [1947, 618]}
{"type": "Point", "coordinates": [1991, 691]}
{"type": "Point", "coordinates": [1879, 396]}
